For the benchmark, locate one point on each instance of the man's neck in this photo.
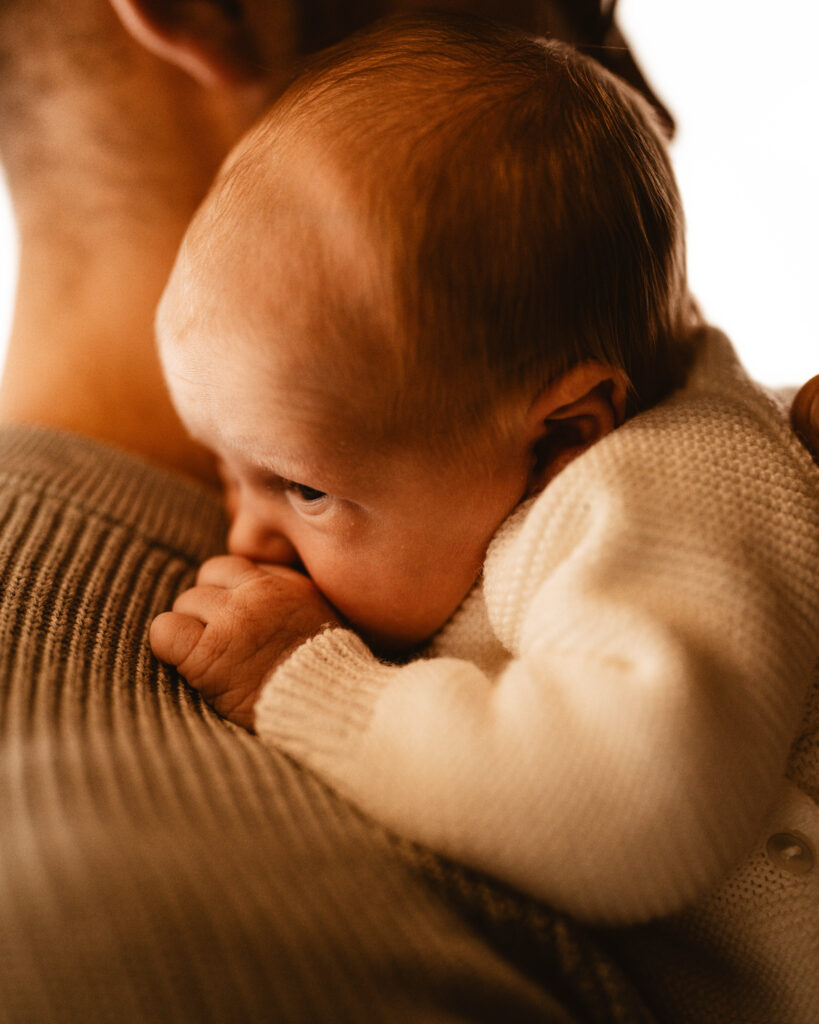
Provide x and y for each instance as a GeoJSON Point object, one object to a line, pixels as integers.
{"type": "Point", "coordinates": [81, 352]}
{"type": "Point", "coordinates": [102, 199]}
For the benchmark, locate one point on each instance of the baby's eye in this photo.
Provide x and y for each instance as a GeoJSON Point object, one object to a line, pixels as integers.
{"type": "Point", "coordinates": [307, 495]}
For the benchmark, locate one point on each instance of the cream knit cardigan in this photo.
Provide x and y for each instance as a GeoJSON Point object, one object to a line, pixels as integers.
{"type": "Point", "coordinates": [605, 722]}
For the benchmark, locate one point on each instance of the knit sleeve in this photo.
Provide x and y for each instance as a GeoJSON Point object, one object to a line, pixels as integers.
{"type": "Point", "coordinates": [659, 609]}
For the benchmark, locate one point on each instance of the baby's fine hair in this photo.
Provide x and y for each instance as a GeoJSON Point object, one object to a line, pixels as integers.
{"type": "Point", "coordinates": [523, 203]}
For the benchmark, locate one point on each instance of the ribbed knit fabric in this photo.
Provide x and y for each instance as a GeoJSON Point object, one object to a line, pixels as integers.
{"type": "Point", "coordinates": [160, 865]}
{"type": "Point", "coordinates": [606, 722]}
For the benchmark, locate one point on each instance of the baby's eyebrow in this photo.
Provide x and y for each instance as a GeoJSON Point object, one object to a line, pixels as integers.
{"type": "Point", "coordinates": [328, 468]}
{"type": "Point", "coordinates": [286, 466]}
{"type": "Point", "coordinates": [282, 468]}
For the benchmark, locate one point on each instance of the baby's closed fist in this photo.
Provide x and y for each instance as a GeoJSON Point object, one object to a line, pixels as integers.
{"type": "Point", "coordinates": [226, 634]}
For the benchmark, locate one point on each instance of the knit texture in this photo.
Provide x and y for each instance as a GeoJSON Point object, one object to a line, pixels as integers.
{"type": "Point", "coordinates": [158, 864]}
{"type": "Point", "coordinates": [748, 953]}
{"type": "Point", "coordinates": [606, 721]}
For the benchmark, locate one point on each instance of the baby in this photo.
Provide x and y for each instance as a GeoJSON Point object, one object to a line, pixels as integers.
{"type": "Point", "coordinates": [494, 574]}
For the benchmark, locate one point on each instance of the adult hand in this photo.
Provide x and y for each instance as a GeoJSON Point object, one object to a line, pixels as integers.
{"type": "Point", "coordinates": [226, 634]}
{"type": "Point", "coordinates": [805, 416]}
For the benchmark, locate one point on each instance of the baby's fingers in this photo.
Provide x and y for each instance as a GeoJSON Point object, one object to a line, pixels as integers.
{"type": "Point", "coordinates": [174, 637]}
{"type": "Point", "coordinates": [202, 602]}
{"type": "Point", "coordinates": [225, 571]}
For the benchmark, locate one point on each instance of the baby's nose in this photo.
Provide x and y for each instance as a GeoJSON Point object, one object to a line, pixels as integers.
{"type": "Point", "coordinates": [260, 542]}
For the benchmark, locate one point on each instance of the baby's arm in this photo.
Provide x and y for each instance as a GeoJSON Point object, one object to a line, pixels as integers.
{"type": "Point", "coordinates": [227, 633]}
{"type": "Point", "coordinates": [616, 781]}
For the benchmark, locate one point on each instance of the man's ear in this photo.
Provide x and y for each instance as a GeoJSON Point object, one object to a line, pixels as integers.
{"type": "Point", "coordinates": [571, 413]}
{"type": "Point", "coordinates": [210, 40]}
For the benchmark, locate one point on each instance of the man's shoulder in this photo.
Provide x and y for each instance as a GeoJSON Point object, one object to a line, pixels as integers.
{"type": "Point", "coordinates": [63, 475]}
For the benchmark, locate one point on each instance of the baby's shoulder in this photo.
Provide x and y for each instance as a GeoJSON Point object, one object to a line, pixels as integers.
{"type": "Point", "coordinates": [714, 470]}
{"type": "Point", "coordinates": [720, 430]}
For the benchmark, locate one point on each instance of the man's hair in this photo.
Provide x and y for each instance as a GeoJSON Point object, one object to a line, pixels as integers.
{"type": "Point", "coordinates": [523, 205]}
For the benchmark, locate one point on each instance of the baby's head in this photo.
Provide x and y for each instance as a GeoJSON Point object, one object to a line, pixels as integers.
{"type": "Point", "coordinates": [449, 259]}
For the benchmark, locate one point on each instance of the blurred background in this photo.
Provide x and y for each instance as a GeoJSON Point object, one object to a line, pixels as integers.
{"type": "Point", "coordinates": [742, 80]}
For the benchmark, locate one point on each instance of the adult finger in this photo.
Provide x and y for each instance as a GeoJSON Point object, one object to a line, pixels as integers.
{"type": "Point", "coordinates": [173, 636]}
{"type": "Point", "coordinates": [805, 416]}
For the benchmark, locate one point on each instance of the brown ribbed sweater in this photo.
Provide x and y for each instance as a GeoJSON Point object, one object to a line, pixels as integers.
{"type": "Point", "coordinates": [158, 864]}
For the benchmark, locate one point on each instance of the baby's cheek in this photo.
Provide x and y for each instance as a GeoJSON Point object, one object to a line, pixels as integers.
{"type": "Point", "coordinates": [393, 611]}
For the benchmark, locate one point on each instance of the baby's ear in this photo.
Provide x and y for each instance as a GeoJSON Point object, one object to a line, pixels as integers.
{"type": "Point", "coordinates": [571, 413]}
{"type": "Point", "coordinates": [210, 40]}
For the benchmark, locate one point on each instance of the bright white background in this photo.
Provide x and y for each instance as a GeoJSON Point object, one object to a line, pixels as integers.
{"type": "Point", "coordinates": [742, 79]}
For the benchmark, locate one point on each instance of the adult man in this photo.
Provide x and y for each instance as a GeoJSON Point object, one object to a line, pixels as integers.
{"type": "Point", "coordinates": [156, 864]}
